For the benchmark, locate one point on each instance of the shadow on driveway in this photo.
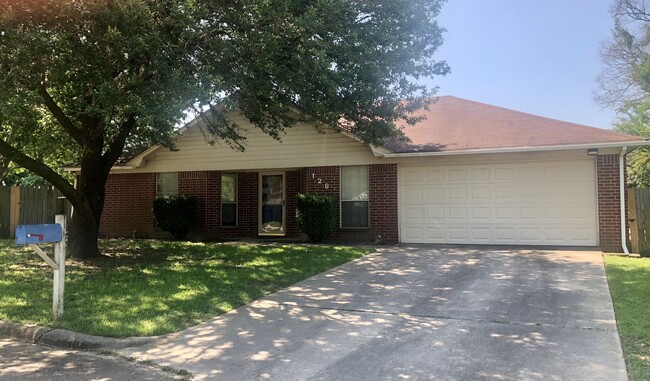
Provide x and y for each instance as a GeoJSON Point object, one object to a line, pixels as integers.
{"type": "Point", "coordinates": [419, 313]}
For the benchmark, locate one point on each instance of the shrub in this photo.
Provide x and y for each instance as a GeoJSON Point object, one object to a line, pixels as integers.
{"type": "Point", "coordinates": [175, 214]}
{"type": "Point", "coordinates": [316, 214]}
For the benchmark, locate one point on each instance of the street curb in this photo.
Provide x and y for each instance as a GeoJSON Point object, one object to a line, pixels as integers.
{"type": "Point", "coordinates": [63, 338]}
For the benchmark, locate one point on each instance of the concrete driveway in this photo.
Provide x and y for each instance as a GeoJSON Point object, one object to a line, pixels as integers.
{"type": "Point", "coordinates": [418, 313]}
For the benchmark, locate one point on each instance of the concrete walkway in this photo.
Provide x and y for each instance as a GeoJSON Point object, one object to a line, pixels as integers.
{"type": "Point", "coordinates": [417, 313]}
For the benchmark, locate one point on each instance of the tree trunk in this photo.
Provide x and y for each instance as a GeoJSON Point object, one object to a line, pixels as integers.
{"type": "Point", "coordinates": [83, 233]}
{"type": "Point", "coordinates": [87, 211]}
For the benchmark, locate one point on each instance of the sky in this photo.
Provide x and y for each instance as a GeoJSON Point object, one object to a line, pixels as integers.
{"type": "Point", "coordinates": [536, 56]}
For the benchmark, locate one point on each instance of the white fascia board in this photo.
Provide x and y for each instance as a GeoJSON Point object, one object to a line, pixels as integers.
{"type": "Point", "coordinates": [629, 144]}
{"type": "Point", "coordinates": [118, 168]}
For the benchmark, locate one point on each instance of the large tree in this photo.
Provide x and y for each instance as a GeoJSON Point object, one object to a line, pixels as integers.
{"type": "Point", "coordinates": [108, 74]}
{"type": "Point", "coordinates": [625, 81]}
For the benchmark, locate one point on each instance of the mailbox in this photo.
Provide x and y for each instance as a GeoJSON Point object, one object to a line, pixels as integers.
{"type": "Point", "coordinates": [35, 234]}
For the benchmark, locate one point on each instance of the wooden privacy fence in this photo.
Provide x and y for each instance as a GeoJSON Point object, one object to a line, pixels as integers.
{"type": "Point", "coordinates": [638, 214]}
{"type": "Point", "coordinates": [22, 205]}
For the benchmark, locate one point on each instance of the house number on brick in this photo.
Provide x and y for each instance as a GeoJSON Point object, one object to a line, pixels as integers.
{"type": "Point", "coordinates": [320, 181]}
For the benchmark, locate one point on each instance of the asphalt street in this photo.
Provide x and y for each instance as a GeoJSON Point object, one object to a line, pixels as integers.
{"type": "Point", "coordinates": [26, 362]}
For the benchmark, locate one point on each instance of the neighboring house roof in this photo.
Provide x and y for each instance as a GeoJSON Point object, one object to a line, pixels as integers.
{"type": "Point", "coordinates": [455, 124]}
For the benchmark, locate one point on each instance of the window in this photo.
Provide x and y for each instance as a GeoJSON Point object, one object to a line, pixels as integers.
{"type": "Point", "coordinates": [354, 197]}
{"type": "Point", "coordinates": [228, 199]}
{"type": "Point", "coordinates": [167, 183]}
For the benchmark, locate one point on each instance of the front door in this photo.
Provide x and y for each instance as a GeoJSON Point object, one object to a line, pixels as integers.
{"type": "Point", "coordinates": [272, 213]}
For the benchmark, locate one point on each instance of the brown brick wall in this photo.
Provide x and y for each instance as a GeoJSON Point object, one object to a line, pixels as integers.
{"type": "Point", "coordinates": [204, 185]}
{"type": "Point", "coordinates": [609, 203]}
{"type": "Point", "coordinates": [247, 213]}
{"type": "Point", "coordinates": [129, 203]}
{"type": "Point", "coordinates": [293, 188]}
{"type": "Point", "coordinates": [382, 204]}
{"type": "Point", "coordinates": [128, 207]}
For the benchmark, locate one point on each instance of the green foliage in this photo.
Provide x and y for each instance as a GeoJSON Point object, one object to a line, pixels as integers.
{"type": "Point", "coordinates": [316, 215]}
{"type": "Point", "coordinates": [151, 287]}
{"type": "Point", "coordinates": [625, 81]}
{"type": "Point", "coordinates": [105, 61]}
{"type": "Point", "coordinates": [92, 77]}
{"type": "Point", "coordinates": [630, 289]}
{"type": "Point", "coordinates": [634, 119]}
{"type": "Point", "coordinates": [175, 214]}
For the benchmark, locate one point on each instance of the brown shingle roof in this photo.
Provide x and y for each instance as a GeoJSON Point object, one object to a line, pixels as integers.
{"type": "Point", "coordinates": [454, 124]}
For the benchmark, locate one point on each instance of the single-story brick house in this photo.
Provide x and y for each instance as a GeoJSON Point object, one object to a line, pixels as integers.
{"type": "Point", "coordinates": [472, 174]}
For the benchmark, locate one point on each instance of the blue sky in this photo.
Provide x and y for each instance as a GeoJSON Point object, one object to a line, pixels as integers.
{"type": "Point", "coordinates": [537, 56]}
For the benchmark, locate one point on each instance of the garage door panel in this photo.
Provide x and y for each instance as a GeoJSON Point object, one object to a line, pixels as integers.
{"type": "Point", "coordinates": [528, 192]}
{"type": "Point", "coordinates": [480, 174]}
{"type": "Point", "coordinates": [504, 174]}
{"type": "Point", "coordinates": [413, 214]}
{"type": "Point", "coordinates": [481, 193]}
{"type": "Point", "coordinates": [435, 175]}
{"type": "Point", "coordinates": [504, 214]}
{"type": "Point", "coordinates": [529, 173]}
{"type": "Point", "coordinates": [413, 196]}
{"type": "Point", "coordinates": [481, 213]}
{"type": "Point", "coordinates": [435, 194]}
{"type": "Point", "coordinates": [507, 235]}
{"type": "Point", "coordinates": [457, 193]}
{"type": "Point", "coordinates": [505, 192]}
{"type": "Point", "coordinates": [530, 234]}
{"type": "Point", "coordinates": [537, 203]}
{"type": "Point", "coordinates": [481, 234]}
{"type": "Point", "coordinates": [456, 175]}
{"type": "Point", "coordinates": [457, 233]}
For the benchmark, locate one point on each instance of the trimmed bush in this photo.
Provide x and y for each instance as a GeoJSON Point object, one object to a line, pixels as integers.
{"type": "Point", "coordinates": [175, 214]}
{"type": "Point", "coordinates": [316, 214]}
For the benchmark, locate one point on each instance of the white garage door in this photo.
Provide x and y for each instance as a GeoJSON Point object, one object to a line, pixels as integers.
{"type": "Point", "coordinates": [538, 203]}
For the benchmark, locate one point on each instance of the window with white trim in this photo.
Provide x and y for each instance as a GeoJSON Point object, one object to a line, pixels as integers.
{"type": "Point", "coordinates": [354, 197]}
{"type": "Point", "coordinates": [228, 199]}
{"type": "Point", "coordinates": [166, 183]}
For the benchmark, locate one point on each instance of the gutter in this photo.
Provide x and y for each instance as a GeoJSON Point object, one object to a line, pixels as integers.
{"type": "Point", "coordinates": [621, 168]}
{"type": "Point", "coordinates": [514, 149]}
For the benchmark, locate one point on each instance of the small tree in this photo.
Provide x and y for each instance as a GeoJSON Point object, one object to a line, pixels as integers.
{"type": "Point", "coordinates": [175, 214]}
{"type": "Point", "coordinates": [316, 214]}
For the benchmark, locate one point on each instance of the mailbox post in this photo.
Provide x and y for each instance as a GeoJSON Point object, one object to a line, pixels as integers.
{"type": "Point", "coordinates": [33, 235]}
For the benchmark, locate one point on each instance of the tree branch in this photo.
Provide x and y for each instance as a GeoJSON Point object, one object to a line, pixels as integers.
{"type": "Point", "coordinates": [40, 169]}
{"type": "Point", "coordinates": [116, 146]}
{"type": "Point", "coordinates": [60, 116]}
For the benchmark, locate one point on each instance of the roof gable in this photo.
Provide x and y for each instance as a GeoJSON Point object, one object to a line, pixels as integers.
{"type": "Point", "coordinates": [301, 145]}
{"type": "Point", "coordinates": [455, 124]}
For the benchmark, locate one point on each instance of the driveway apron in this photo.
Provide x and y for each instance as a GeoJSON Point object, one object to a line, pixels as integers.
{"type": "Point", "coordinates": [417, 313]}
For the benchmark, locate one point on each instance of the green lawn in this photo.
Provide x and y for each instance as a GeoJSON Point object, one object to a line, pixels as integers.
{"type": "Point", "coordinates": [146, 287]}
{"type": "Point", "coordinates": [629, 283]}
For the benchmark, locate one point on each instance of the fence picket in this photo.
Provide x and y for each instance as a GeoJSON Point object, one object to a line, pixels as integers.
{"type": "Point", "coordinates": [642, 196]}
{"type": "Point", "coordinates": [5, 211]}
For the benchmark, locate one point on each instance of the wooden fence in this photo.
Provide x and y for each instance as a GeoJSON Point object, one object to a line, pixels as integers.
{"type": "Point", "coordinates": [638, 214]}
{"type": "Point", "coordinates": [20, 206]}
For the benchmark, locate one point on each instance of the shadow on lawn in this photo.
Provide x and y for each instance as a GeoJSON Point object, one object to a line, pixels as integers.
{"type": "Point", "coordinates": [144, 288]}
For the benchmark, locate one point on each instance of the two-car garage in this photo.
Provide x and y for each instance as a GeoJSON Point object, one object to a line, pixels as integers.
{"type": "Point", "coordinates": [541, 202]}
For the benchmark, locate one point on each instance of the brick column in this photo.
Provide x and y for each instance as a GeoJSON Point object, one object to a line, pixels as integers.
{"type": "Point", "coordinates": [609, 203]}
{"type": "Point", "coordinates": [383, 203]}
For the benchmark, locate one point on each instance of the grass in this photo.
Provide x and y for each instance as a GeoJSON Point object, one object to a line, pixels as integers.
{"type": "Point", "coordinates": [146, 287]}
{"type": "Point", "coordinates": [629, 283]}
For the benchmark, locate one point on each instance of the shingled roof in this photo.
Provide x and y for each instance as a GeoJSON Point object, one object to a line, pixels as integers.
{"type": "Point", "coordinates": [455, 124]}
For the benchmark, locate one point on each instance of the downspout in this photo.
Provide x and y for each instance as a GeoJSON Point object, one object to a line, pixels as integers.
{"type": "Point", "coordinates": [621, 169]}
